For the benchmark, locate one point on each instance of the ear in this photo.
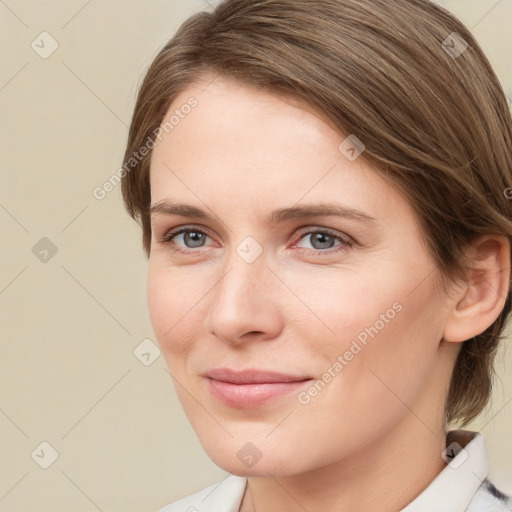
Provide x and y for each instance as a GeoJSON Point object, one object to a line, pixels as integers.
{"type": "Point", "coordinates": [477, 305]}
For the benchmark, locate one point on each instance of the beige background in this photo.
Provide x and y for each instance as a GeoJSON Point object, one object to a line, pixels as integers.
{"type": "Point", "coordinates": [69, 325]}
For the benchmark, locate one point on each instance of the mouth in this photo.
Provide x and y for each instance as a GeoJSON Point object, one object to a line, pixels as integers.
{"type": "Point", "coordinates": [250, 389]}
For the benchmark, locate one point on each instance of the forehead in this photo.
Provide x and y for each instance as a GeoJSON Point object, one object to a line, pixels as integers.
{"type": "Point", "coordinates": [263, 151]}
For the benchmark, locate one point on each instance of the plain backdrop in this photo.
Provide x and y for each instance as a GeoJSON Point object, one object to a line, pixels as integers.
{"type": "Point", "coordinates": [74, 396]}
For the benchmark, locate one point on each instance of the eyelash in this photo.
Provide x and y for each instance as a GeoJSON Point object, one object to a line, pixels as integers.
{"type": "Point", "coordinates": [345, 241]}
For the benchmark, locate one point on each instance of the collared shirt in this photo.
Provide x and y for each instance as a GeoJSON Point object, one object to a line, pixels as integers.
{"type": "Point", "coordinates": [462, 485]}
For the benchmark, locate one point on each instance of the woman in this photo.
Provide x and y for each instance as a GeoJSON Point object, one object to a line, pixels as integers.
{"type": "Point", "coordinates": [323, 193]}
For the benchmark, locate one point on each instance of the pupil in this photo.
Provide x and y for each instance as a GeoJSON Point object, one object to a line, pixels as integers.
{"type": "Point", "coordinates": [196, 237]}
{"type": "Point", "coordinates": [318, 238]}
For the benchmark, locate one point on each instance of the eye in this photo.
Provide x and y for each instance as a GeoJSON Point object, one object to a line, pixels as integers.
{"type": "Point", "coordinates": [191, 235]}
{"type": "Point", "coordinates": [322, 241]}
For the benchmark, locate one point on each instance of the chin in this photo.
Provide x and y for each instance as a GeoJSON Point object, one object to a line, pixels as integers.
{"type": "Point", "coordinates": [247, 460]}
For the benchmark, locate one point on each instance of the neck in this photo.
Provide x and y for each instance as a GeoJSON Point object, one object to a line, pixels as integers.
{"type": "Point", "coordinates": [385, 477]}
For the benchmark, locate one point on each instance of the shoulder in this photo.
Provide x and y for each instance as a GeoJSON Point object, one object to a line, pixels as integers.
{"type": "Point", "coordinates": [490, 499]}
{"type": "Point", "coordinates": [223, 496]}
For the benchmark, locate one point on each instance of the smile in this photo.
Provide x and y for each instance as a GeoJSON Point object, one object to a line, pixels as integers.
{"type": "Point", "coordinates": [249, 390]}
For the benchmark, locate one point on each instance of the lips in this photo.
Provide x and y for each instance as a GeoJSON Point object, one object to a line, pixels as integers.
{"type": "Point", "coordinates": [249, 389]}
{"type": "Point", "coordinates": [251, 376]}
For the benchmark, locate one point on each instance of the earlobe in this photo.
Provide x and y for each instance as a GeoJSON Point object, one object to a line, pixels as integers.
{"type": "Point", "coordinates": [478, 304]}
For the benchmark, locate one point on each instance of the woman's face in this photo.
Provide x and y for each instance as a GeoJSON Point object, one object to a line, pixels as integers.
{"type": "Point", "coordinates": [347, 301]}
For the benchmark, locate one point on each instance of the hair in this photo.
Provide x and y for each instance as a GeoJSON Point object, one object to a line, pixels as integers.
{"type": "Point", "coordinates": [430, 111]}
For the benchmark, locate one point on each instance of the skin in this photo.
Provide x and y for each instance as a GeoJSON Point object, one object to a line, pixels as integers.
{"type": "Point", "coordinates": [240, 154]}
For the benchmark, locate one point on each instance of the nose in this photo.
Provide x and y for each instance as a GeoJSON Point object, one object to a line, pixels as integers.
{"type": "Point", "coordinates": [244, 302]}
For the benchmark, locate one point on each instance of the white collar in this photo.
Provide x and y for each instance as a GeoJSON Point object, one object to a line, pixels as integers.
{"type": "Point", "coordinates": [454, 488]}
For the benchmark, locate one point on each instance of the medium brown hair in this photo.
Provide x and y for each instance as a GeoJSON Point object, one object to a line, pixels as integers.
{"type": "Point", "coordinates": [430, 111]}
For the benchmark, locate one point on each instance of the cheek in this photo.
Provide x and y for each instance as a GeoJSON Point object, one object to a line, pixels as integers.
{"type": "Point", "coordinates": [173, 303]}
{"type": "Point", "coordinates": [378, 321]}
{"type": "Point", "coordinates": [341, 306]}
{"type": "Point", "coordinates": [389, 352]}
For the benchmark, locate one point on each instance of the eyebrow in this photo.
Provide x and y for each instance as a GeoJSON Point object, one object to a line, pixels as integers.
{"type": "Point", "coordinates": [277, 216]}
